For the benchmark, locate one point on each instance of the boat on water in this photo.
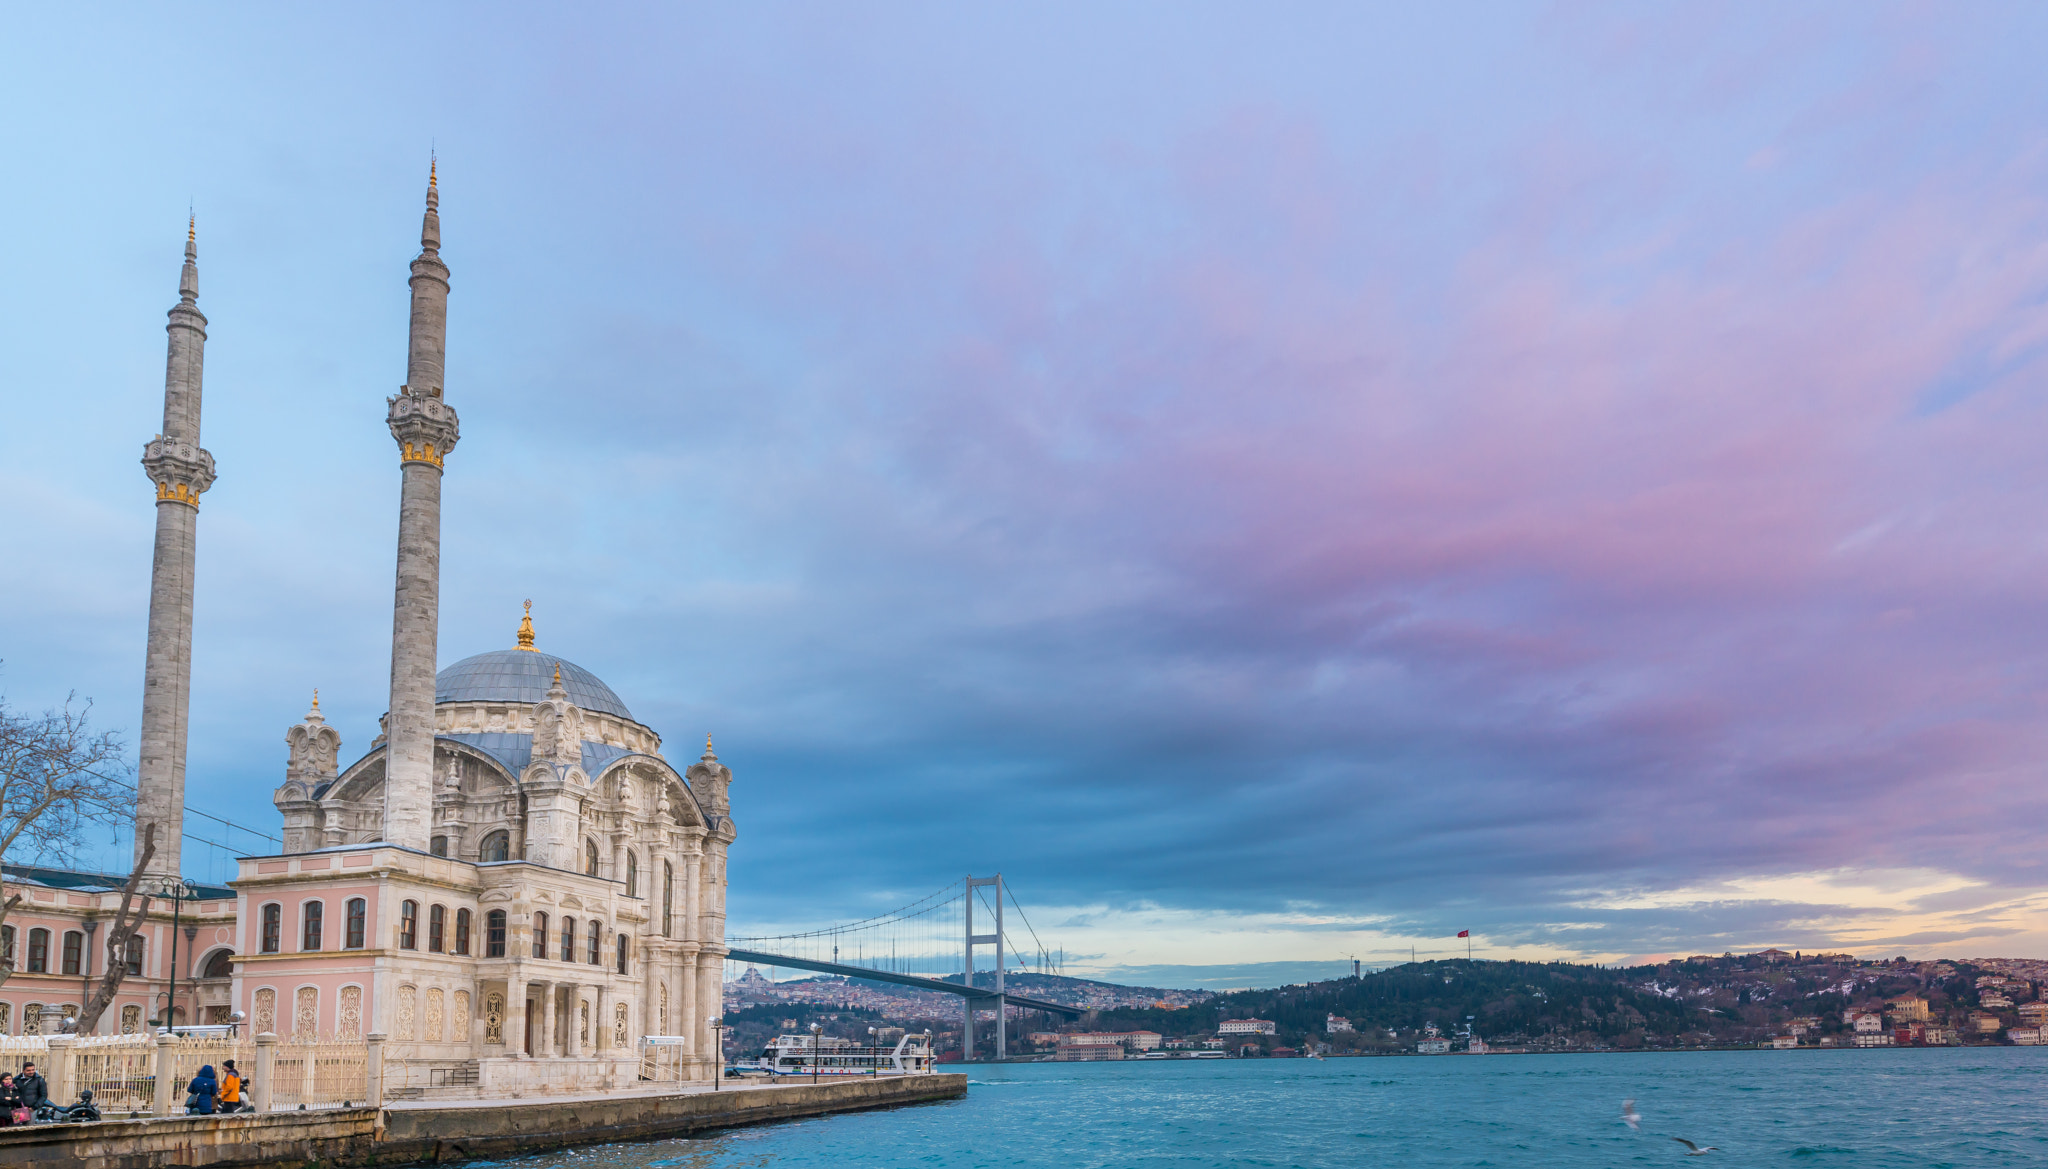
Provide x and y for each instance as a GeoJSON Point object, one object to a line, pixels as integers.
{"type": "Point", "coordinates": [805, 1055]}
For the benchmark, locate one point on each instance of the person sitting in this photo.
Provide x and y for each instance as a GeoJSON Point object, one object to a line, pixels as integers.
{"type": "Point", "coordinates": [32, 1088]}
{"type": "Point", "coordinates": [230, 1087]}
{"type": "Point", "coordinates": [10, 1099]}
{"type": "Point", "coordinates": [201, 1093]}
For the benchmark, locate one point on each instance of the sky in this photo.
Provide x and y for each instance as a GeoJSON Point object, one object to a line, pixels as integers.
{"type": "Point", "coordinates": [1279, 484]}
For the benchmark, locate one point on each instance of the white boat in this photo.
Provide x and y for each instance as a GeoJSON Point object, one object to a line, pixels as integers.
{"type": "Point", "coordinates": [801, 1055]}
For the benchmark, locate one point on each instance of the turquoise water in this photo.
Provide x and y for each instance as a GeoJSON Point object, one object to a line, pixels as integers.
{"type": "Point", "coordinates": [1942, 1107]}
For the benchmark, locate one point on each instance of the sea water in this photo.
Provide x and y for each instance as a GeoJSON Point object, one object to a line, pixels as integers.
{"type": "Point", "coordinates": [1918, 1106]}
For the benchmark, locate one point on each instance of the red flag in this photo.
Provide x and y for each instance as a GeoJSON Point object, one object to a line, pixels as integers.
{"type": "Point", "coordinates": [1464, 933]}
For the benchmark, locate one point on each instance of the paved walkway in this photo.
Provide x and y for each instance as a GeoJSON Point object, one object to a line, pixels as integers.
{"type": "Point", "coordinates": [751, 1084]}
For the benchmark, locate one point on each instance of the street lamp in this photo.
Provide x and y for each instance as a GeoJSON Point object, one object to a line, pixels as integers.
{"type": "Point", "coordinates": [817, 1030]}
{"type": "Point", "coordinates": [874, 1053]}
{"type": "Point", "coordinates": [717, 1049]}
{"type": "Point", "coordinates": [178, 891]}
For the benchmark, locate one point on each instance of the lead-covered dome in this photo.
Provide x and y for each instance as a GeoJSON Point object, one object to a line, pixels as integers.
{"type": "Point", "coordinates": [523, 675]}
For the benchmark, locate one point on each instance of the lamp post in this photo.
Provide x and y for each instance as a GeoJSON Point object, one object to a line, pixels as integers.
{"type": "Point", "coordinates": [817, 1056]}
{"type": "Point", "coordinates": [178, 891]}
{"type": "Point", "coordinates": [874, 1053]}
{"type": "Point", "coordinates": [717, 1049]}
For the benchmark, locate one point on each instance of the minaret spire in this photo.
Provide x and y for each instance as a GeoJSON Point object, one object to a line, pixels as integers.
{"type": "Point", "coordinates": [426, 430]}
{"type": "Point", "coordinates": [182, 471]}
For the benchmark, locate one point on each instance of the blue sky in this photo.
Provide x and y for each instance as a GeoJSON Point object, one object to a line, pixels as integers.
{"type": "Point", "coordinates": [1279, 484]}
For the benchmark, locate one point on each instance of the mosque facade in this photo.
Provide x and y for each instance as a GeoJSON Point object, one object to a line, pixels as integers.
{"type": "Point", "coordinates": [512, 885]}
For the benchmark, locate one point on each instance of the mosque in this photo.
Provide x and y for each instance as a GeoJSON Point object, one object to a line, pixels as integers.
{"type": "Point", "coordinates": [512, 885]}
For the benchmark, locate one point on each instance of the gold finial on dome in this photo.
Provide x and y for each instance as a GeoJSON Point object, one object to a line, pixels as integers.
{"type": "Point", "coordinates": [316, 700]}
{"type": "Point", "coordinates": [558, 674]}
{"type": "Point", "coordinates": [526, 630]}
{"type": "Point", "coordinates": [708, 754]}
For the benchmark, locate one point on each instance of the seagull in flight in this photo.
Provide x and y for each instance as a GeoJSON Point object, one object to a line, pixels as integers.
{"type": "Point", "coordinates": [1696, 1151]}
{"type": "Point", "coordinates": [1630, 1116]}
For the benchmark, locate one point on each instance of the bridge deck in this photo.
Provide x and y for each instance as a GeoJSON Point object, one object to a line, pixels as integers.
{"type": "Point", "coordinates": [895, 979]}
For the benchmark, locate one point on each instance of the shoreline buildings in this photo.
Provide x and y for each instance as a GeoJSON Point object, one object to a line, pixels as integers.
{"type": "Point", "coordinates": [512, 885]}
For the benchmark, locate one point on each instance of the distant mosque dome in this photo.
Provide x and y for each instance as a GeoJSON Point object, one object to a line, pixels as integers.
{"type": "Point", "coordinates": [523, 676]}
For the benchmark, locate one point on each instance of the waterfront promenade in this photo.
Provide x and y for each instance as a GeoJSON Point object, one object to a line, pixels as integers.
{"type": "Point", "coordinates": [415, 1131]}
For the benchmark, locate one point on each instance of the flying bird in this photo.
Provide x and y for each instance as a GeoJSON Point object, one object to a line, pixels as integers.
{"type": "Point", "coordinates": [1696, 1151]}
{"type": "Point", "coordinates": [1630, 1116]}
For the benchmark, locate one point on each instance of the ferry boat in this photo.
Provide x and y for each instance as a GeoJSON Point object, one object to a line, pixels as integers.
{"type": "Point", "coordinates": [795, 1055]}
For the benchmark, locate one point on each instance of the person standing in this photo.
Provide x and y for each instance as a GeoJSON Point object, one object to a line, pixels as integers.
{"type": "Point", "coordinates": [230, 1087]}
{"type": "Point", "coordinates": [32, 1088]}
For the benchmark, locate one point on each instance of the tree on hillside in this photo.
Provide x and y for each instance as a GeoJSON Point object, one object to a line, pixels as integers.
{"type": "Point", "coordinates": [57, 775]}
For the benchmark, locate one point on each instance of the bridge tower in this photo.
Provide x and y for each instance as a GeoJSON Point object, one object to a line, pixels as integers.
{"type": "Point", "coordinates": [967, 978]}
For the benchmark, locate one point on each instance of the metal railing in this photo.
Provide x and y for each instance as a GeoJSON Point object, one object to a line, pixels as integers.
{"type": "Point", "coordinates": [320, 1073]}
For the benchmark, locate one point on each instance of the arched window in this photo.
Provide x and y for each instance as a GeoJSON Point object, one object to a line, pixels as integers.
{"type": "Point", "coordinates": [408, 925]}
{"type": "Point", "coordinates": [221, 965]}
{"type": "Point", "coordinates": [309, 934]}
{"type": "Point", "coordinates": [540, 935]}
{"type": "Point", "coordinates": [39, 951]}
{"type": "Point", "coordinates": [134, 955]}
{"type": "Point", "coordinates": [358, 923]}
{"type": "Point", "coordinates": [668, 898]}
{"type": "Point", "coordinates": [438, 846]}
{"type": "Point", "coordinates": [496, 847]}
{"type": "Point", "coordinates": [437, 926]}
{"type": "Point", "coordinates": [494, 933]}
{"type": "Point", "coordinates": [6, 949]}
{"type": "Point", "coordinates": [597, 943]}
{"type": "Point", "coordinates": [632, 875]}
{"type": "Point", "coordinates": [462, 931]}
{"type": "Point", "coordinates": [74, 951]}
{"type": "Point", "coordinates": [625, 944]}
{"type": "Point", "coordinates": [273, 929]}
{"type": "Point", "coordinates": [589, 858]}
{"type": "Point", "coordinates": [568, 939]}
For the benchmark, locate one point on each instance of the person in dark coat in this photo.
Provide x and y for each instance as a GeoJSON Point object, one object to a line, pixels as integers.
{"type": "Point", "coordinates": [33, 1089]}
{"type": "Point", "coordinates": [10, 1099]}
{"type": "Point", "coordinates": [200, 1093]}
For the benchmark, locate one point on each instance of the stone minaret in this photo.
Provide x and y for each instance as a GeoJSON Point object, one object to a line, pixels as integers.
{"type": "Point", "coordinates": [181, 471]}
{"type": "Point", "coordinates": [426, 431]}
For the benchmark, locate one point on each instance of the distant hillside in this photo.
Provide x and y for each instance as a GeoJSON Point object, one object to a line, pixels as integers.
{"type": "Point", "coordinates": [1550, 1005]}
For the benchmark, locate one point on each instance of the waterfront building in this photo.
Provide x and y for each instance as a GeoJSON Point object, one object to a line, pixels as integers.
{"type": "Point", "coordinates": [1784, 1042]}
{"type": "Point", "coordinates": [1334, 1024]}
{"type": "Point", "coordinates": [1909, 1008]}
{"type": "Point", "coordinates": [1078, 1046]}
{"type": "Point", "coordinates": [2025, 1036]}
{"type": "Point", "coordinates": [1985, 1023]}
{"type": "Point", "coordinates": [1246, 1027]}
{"type": "Point", "coordinates": [2034, 1014]}
{"type": "Point", "coordinates": [1868, 1023]}
{"type": "Point", "coordinates": [512, 884]}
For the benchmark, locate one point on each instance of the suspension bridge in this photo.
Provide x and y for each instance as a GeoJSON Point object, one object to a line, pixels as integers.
{"type": "Point", "coordinates": [918, 945]}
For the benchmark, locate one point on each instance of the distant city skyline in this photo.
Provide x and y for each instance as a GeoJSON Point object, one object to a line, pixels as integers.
{"type": "Point", "coordinates": [1276, 491]}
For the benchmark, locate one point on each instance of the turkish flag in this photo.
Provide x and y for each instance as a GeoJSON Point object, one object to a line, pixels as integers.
{"type": "Point", "coordinates": [1464, 933]}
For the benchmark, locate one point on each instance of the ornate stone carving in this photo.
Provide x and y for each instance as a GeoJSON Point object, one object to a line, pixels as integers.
{"type": "Point", "coordinates": [558, 727]}
{"type": "Point", "coordinates": [458, 1017]}
{"type": "Point", "coordinates": [583, 1012]}
{"type": "Point", "coordinates": [494, 1018]}
{"type": "Point", "coordinates": [619, 1027]}
{"type": "Point", "coordinates": [32, 1019]}
{"type": "Point", "coordinates": [435, 1013]}
{"type": "Point", "coordinates": [425, 428]}
{"type": "Point", "coordinates": [266, 1011]}
{"type": "Point", "coordinates": [662, 1019]}
{"type": "Point", "coordinates": [408, 1001]}
{"type": "Point", "coordinates": [306, 1011]}
{"type": "Point", "coordinates": [181, 471]}
{"type": "Point", "coordinates": [131, 1016]}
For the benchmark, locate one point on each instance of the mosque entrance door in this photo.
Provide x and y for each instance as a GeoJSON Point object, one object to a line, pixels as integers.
{"type": "Point", "coordinates": [532, 1023]}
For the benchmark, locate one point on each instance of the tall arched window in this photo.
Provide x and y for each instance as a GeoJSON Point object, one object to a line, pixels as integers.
{"type": "Point", "coordinates": [309, 932]}
{"type": "Point", "coordinates": [568, 939]}
{"type": "Point", "coordinates": [462, 931]}
{"type": "Point", "coordinates": [589, 857]}
{"type": "Point", "coordinates": [625, 944]}
{"type": "Point", "coordinates": [134, 955]}
{"type": "Point", "coordinates": [358, 923]}
{"type": "Point", "coordinates": [408, 925]}
{"type": "Point", "coordinates": [496, 847]}
{"type": "Point", "coordinates": [74, 951]}
{"type": "Point", "coordinates": [437, 927]}
{"type": "Point", "coordinates": [632, 875]}
{"type": "Point", "coordinates": [39, 951]}
{"type": "Point", "coordinates": [273, 929]}
{"type": "Point", "coordinates": [597, 943]}
{"type": "Point", "coordinates": [494, 933]}
{"type": "Point", "coordinates": [540, 935]}
{"type": "Point", "coordinates": [668, 898]}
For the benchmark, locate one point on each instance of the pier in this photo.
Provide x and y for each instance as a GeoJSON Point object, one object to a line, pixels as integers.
{"type": "Point", "coordinates": [419, 1132]}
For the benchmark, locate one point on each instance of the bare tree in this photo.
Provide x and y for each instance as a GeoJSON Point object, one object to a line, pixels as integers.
{"type": "Point", "coordinates": [124, 927]}
{"type": "Point", "coordinates": [57, 775]}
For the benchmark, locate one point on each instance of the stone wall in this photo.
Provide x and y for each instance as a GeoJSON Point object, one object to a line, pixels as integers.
{"type": "Point", "coordinates": [369, 1136]}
